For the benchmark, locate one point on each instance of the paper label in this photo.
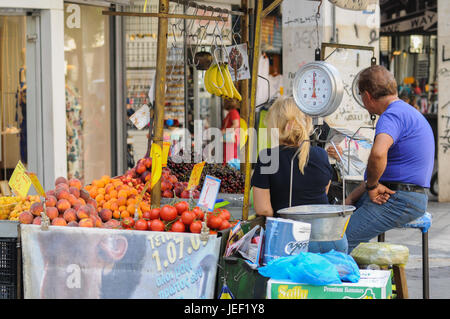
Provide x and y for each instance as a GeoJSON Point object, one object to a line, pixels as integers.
{"type": "Point", "coordinates": [156, 155]}
{"type": "Point", "coordinates": [166, 150]}
{"type": "Point", "coordinates": [37, 185]}
{"type": "Point", "coordinates": [209, 193]}
{"type": "Point", "coordinates": [19, 182]}
{"type": "Point", "coordinates": [141, 117]}
{"type": "Point", "coordinates": [196, 173]}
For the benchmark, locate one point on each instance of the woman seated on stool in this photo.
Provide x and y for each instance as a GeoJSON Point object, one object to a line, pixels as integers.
{"type": "Point", "coordinates": [312, 171]}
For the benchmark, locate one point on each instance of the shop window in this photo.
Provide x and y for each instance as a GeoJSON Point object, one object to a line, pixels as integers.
{"type": "Point", "coordinates": [88, 118]}
{"type": "Point", "coordinates": [13, 126]}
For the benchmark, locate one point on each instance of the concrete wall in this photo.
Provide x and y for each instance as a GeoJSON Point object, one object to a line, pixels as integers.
{"type": "Point", "coordinates": [444, 100]}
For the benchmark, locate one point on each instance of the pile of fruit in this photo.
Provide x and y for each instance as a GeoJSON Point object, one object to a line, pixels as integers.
{"type": "Point", "coordinates": [117, 197]}
{"type": "Point", "coordinates": [23, 204]}
{"type": "Point", "coordinates": [66, 205]}
{"type": "Point", "coordinates": [180, 218]}
{"type": "Point", "coordinates": [218, 82]}
{"type": "Point", "coordinates": [171, 187]}
{"type": "Point", "coordinates": [232, 180]}
{"type": "Point", "coordinates": [111, 203]}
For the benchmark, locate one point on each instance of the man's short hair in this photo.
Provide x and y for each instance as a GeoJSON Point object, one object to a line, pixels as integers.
{"type": "Point", "coordinates": [378, 81]}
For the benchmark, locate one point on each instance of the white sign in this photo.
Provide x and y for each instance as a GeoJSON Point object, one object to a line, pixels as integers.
{"type": "Point", "coordinates": [238, 62]}
{"type": "Point", "coordinates": [209, 192]}
{"type": "Point", "coordinates": [98, 263]}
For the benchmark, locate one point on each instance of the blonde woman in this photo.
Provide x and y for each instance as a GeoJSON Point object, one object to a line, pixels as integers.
{"type": "Point", "coordinates": [311, 170]}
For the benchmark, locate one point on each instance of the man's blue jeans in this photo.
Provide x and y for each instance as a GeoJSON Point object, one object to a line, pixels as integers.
{"type": "Point", "coordinates": [370, 219]}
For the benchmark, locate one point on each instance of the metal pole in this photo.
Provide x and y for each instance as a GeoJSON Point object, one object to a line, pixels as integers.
{"type": "Point", "coordinates": [160, 89]}
{"type": "Point", "coordinates": [243, 84]}
{"type": "Point", "coordinates": [251, 118]}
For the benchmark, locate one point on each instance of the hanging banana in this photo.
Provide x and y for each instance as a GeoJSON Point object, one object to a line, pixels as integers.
{"type": "Point", "coordinates": [218, 81]}
{"type": "Point", "coordinates": [228, 81]}
{"type": "Point", "coordinates": [207, 81]}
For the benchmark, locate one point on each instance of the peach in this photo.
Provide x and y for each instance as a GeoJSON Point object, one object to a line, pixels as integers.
{"type": "Point", "coordinates": [50, 201]}
{"type": "Point", "coordinates": [92, 202]}
{"type": "Point", "coordinates": [86, 222]}
{"type": "Point", "coordinates": [50, 193]}
{"type": "Point", "coordinates": [63, 205]}
{"type": "Point", "coordinates": [97, 221]}
{"type": "Point", "coordinates": [83, 212]}
{"type": "Point", "coordinates": [76, 206]}
{"type": "Point", "coordinates": [36, 208]}
{"type": "Point", "coordinates": [26, 217]}
{"type": "Point", "coordinates": [60, 180]}
{"type": "Point", "coordinates": [73, 224]}
{"type": "Point", "coordinates": [70, 215]}
{"type": "Point", "coordinates": [63, 186]}
{"type": "Point", "coordinates": [84, 194]}
{"type": "Point", "coordinates": [62, 193]}
{"type": "Point", "coordinates": [74, 191]}
{"type": "Point", "coordinates": [52, 212]}
{"type": "Point", "coordinates": [75, 182]}
{"type": "Point", "coordinates": [105, 214]}
{"type": "Point", "coordinates": [92, 210]}
{"type": "Point", "coordinates": [72, 200]}
{"type": "Point", "coordinates": [37, 220]}
{"type": "Point", "coordinates": [58, 221]}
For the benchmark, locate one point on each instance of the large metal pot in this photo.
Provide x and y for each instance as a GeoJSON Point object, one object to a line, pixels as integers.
{"type": "Point", "coordinates": [328, 222]}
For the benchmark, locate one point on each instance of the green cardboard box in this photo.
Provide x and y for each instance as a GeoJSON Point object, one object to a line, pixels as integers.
{"type": "Point", "coordinates": [373, 284]}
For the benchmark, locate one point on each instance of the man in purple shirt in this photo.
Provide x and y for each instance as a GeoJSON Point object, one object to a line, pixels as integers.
{"type": "Point", "coordinates": [400, 164]}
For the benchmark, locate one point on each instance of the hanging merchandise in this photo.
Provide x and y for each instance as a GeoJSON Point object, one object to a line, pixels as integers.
{"type": "Point", "coordinates": [238, 57]}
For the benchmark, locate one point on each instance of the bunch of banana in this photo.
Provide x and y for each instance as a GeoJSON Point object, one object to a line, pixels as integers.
{"type": "Point", "coordinates": [218, 82]}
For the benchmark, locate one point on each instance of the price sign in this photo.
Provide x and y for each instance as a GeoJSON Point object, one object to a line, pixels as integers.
{"type": "Point", "coordinates": [195, 175]}
{"type": "Point", "coordinates": [156, 155]}
{"type": "Point", "coordinates": [37, 185]}
{"type": "Point", "coordinates": [166, 150]}
{"type": "Point", "coordinates": [19, 182]}
{"type": "Point", "coordinates": [209, 192]}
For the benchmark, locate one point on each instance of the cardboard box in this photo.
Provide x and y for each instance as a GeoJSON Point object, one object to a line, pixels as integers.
{"type": "Point", "coordinates": [373, 284]}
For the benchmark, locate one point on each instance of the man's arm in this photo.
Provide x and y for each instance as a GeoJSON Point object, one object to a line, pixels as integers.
{"type": "Point", "coordinates": [375, 168]}
{"type": "Point", "coordinates": [377, 161]}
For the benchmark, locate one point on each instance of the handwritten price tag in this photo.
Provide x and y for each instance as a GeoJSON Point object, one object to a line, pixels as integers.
{"type": "Point", "coordinates": [196, 173]}
{"type": "Point", "coordinates": [19, 182]}
{"type": "Point", "coordinates": [37, 185]}
{"type": "Point", "coordinates": [166, 150]}
{"type": "Point", "coordinates": [156, 155]}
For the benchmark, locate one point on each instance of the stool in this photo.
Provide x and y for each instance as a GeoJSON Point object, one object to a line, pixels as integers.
{"type": "Point", "coordinates": [383, 255]}
{"type": "Point", "coordinates": [423, 223]}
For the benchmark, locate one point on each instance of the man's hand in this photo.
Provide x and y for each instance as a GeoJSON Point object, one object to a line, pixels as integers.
{"type": "Point", "coordinates": [332, 152]}
{"type": "Point", "coordinates": [380, 194]}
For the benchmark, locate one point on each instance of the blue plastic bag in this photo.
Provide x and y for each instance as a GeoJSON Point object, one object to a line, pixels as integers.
{"type": "Point", "coordinates": [305, 268]}
{"type": "Point", "coordinates": [345, 265]}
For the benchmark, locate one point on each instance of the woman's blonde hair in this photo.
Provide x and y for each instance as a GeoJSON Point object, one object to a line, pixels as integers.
{"type": "Point", "coordinates": [293, 126]}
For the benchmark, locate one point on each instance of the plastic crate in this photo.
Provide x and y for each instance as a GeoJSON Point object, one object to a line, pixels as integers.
{"type": "Point", "coordinates": [8, 291]}
{"type": "Point", "coordinates": [8, 261]}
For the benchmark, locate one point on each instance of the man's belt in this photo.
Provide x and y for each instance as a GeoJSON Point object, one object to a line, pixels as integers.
{"type": "Point", "coordinates": [404, 187]}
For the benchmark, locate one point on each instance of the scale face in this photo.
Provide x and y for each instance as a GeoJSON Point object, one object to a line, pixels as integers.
{"type": "Point", "coordinates": [318, 89]}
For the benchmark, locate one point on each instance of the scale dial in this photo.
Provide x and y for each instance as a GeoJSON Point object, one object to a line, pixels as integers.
{"type": "Point", "coordinates": [318, 89]}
